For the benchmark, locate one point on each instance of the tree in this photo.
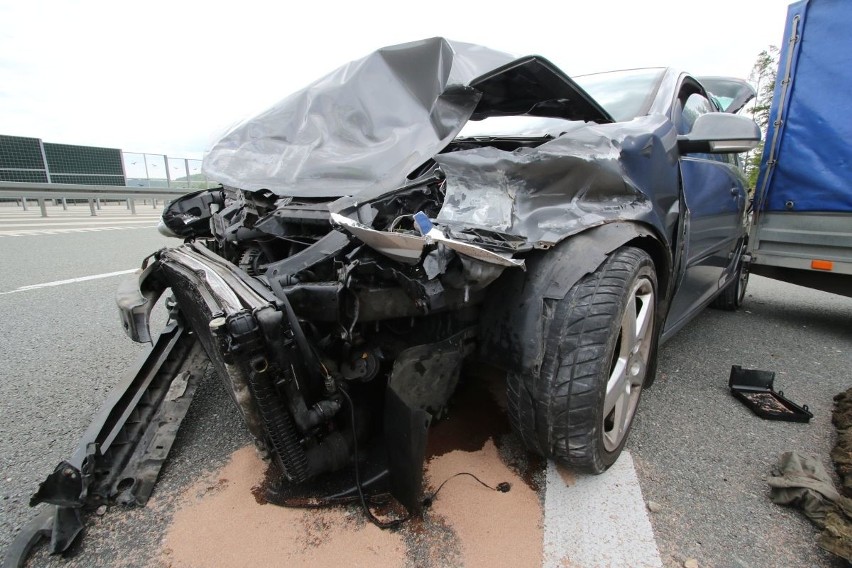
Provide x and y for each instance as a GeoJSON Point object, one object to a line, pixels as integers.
{"type": "Point", "coordinates": [762, 75]}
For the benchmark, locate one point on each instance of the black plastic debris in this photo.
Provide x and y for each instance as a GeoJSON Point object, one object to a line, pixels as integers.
{"type": "Point", "coordinates": [754, 388]}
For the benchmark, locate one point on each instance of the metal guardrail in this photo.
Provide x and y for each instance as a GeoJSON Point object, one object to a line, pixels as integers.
{"type": "Point", "coordinates": [91, 193]}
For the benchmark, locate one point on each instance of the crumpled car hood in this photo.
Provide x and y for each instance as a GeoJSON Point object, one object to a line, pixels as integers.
{"type": "Point", "coordinates": [369, 124]}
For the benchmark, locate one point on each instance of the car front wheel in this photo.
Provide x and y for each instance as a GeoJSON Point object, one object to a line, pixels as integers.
{"type": "Point", "coordinates": [599, 350]}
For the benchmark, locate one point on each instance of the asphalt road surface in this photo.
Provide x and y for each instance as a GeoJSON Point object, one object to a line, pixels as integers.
{"type": "Point", "coordinates": [699, 455]}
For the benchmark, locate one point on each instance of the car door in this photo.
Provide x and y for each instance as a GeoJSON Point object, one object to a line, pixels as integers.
{"type": "Point", "coordinates": [714, 198]}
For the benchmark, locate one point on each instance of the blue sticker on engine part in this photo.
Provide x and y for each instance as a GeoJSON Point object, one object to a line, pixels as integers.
{"type": "Point", "coordinates": [424, 225]}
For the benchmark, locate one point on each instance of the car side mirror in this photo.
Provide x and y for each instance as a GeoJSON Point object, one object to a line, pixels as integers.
{"type": "Point", "coordinates": [720, 133]}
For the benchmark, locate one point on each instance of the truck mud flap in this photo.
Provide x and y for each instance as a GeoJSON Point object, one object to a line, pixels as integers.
{"type": "Point", "coordinates": [120, 456]}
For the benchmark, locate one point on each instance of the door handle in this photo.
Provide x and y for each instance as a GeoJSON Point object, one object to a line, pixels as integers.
{"type": "Point", "coordinates": [735, 191]}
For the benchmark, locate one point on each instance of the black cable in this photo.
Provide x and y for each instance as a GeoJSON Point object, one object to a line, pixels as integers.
{"type": "Point", "coordinates": [379, 523]}
{"type": "Point", "coordinates": [502, 487]}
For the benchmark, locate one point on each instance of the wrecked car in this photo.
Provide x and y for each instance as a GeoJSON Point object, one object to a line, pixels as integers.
{"type": "Point", "coordinates": [428, 204]}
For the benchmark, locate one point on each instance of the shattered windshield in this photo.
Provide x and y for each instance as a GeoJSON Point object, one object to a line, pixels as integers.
{"type": "Point", "coordinates": [624, 94]}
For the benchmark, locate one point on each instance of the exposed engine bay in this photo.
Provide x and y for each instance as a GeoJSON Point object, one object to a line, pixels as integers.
{"type": "Point", "coordinates": [303, 310]}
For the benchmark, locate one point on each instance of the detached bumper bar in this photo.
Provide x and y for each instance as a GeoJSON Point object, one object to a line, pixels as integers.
{"type": "Point", "coordinates": [120, 456]}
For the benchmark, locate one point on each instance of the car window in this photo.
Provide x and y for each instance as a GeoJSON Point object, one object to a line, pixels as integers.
{"type": "Point", "coordinates": [623, 94]}
{"type": "Point", "coordinates": [731, 94]}
{"type": "Point", "coordinates": [696, 105]}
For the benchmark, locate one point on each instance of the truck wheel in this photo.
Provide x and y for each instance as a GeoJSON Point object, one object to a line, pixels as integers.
{"type": "Point", "coordinates": [599, 349]}
{"type": "Point", "coordinates": [731, 297]}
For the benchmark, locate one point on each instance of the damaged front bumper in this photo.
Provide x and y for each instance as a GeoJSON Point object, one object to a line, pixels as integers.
{"type": "Point", "coordinates": [288, 397]}
{"type": "Point", "coordinates": [289, 401]}
{"type": "Point", "coordinates": [120, 455]}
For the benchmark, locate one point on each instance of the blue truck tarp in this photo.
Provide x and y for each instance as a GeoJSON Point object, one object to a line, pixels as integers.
{"type": "Point", "coordinates": [807, 160]}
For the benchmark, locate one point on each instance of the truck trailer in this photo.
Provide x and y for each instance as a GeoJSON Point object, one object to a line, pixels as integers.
{"type": "Point", "coordinates": [802, 225]}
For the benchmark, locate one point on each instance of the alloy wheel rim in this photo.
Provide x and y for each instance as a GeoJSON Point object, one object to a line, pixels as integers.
{"type": "Point", "coordinates": [630, 363]}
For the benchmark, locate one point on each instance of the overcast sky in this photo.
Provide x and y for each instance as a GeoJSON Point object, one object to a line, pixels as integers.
{"type": "Point", "coordinates": [166, 77]}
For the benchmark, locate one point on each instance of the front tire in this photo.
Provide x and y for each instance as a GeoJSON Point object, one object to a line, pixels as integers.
{"type": "Point", "coordinates": [599, 351]}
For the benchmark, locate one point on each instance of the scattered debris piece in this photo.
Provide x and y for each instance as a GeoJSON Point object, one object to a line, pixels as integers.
{"type": "Point", "coordinates": [754, 388]}
{"type": "Point", "coordinates": [802, 482]}
{"type": "Point", "coordinates": [691, 563]}
{"type": "Point", "coordinates": [841, 455]}
{"type": "Point", "coordinates": [837, 535]}
{"type": "Point", "coordinates": [654, 507]}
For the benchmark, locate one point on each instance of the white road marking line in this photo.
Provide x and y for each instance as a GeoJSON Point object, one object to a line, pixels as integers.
{"type": "Point", "coordinates": [80, 213]}
{"type": "Point", "coordinates": [90, 221]}
{"type": "Point", "coordinates": [68, 281]}
{"type": "Point", "coordinates": [29, 232]}
{"type": "Point", "coordinates": [599, 520]}
{"type": "Point", "coordinates": [76, 220]}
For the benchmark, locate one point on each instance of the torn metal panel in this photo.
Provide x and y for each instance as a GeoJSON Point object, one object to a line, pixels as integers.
{"type": "Point", "coordinates": [401, 247]}
{"type": "Point", "coordinates": [586, 177]}
{"type": "Point", "coordinates": [341, 134]}
{"type": "Point", "coordinates": [408, 248]}
{"type": "Point", "coordinates": [473, 251]}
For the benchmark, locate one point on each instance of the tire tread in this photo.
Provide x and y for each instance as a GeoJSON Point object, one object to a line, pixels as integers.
{"type": "Point", "coordinates": [555, 410]}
